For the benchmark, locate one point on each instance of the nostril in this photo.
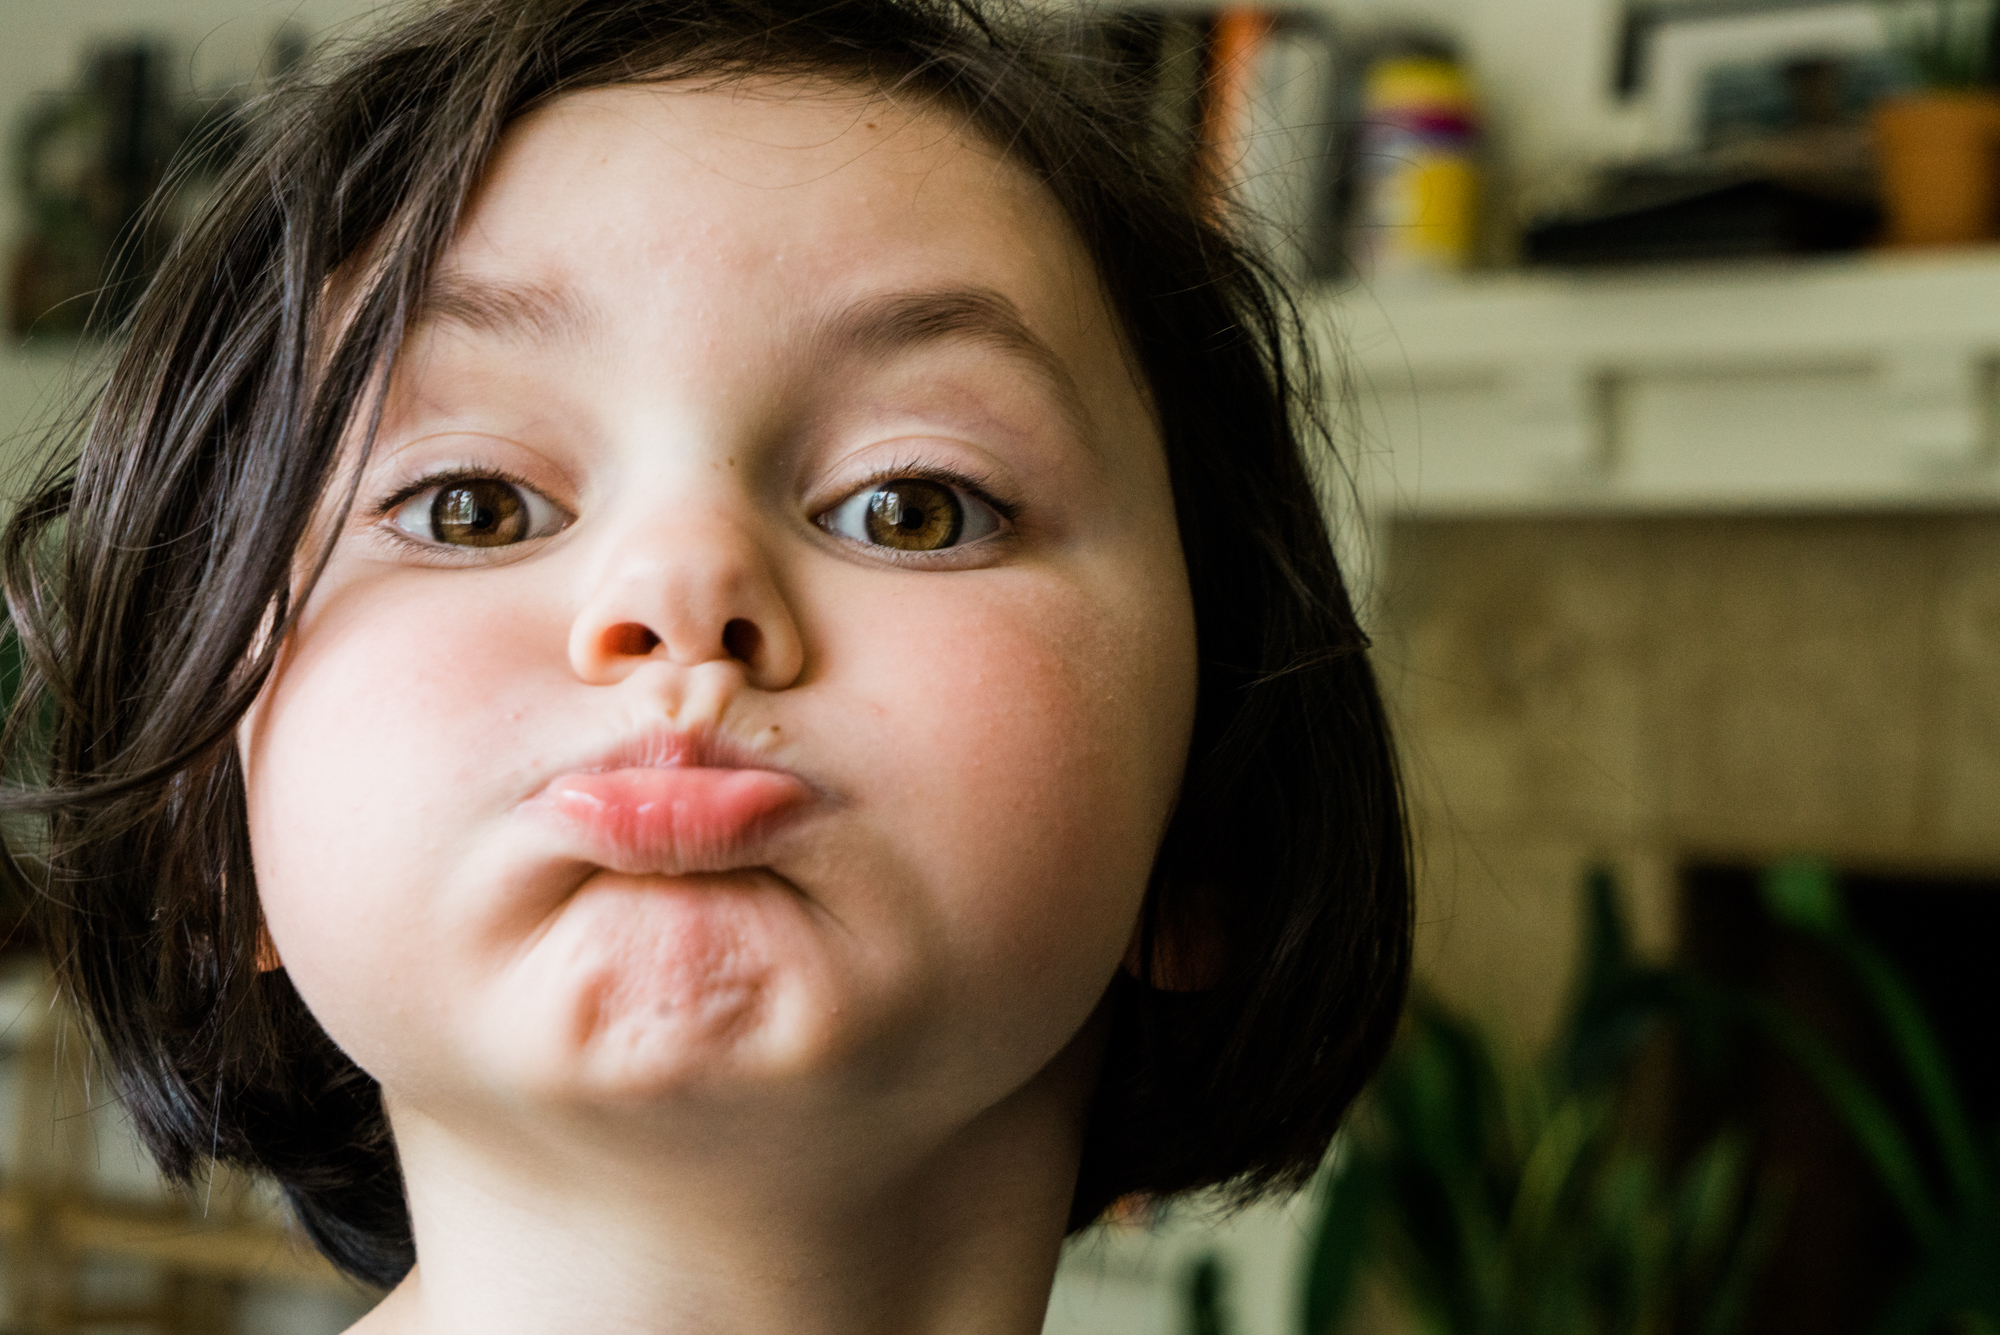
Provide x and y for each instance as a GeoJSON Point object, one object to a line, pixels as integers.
{"type": "Point", "coordinates": [741, 640]}
{"type": "Point", "coordinates": [630, 639]}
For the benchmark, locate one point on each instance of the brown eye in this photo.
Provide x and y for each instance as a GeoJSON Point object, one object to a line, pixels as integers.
{"type": "Point", "coordinates": [912, 514]}
{"type": "Point", "coordinates": [478, 512]}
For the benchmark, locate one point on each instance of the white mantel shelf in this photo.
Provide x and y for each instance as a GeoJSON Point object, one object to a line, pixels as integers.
{"type": "Point", "coordinates": [1864, 382]}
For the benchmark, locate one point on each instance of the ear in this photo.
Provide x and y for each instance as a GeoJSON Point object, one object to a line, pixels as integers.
{"type": "Point", "coordinates": [1190, 947]}
{"type": "Point", "coordinates": [267, 951]}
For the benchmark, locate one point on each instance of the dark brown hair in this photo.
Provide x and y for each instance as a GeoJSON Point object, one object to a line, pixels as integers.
{"type": "Point", "coordinates": [149, 571]}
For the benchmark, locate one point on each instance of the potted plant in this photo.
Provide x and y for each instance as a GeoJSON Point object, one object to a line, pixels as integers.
{"type": "Point", "coordinates": [1939, 143]}
{"type": "Point", "coordinates": [1497, 1197]}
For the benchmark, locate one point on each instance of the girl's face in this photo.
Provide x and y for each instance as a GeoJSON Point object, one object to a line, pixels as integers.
{"type": "Point", "coordinates": [758, 668]}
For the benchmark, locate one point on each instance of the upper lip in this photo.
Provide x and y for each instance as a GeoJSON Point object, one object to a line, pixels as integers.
{"type": "Point", "coordinates": [664, 746]}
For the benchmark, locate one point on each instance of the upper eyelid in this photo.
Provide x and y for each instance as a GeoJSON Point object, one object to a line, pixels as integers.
{"type": "Point", "coordinates": [397, 497]}
{"type": "Point", "coordinates": [980, 485]}
{"type": "Point", "coordinates": [976, 482]}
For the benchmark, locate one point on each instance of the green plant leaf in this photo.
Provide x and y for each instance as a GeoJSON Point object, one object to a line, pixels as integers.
{"type": "Point", "coordinates": [1929, 1070]}
{"type": "Point", "coordinates": [1618, 1004]}
{"type": "Point", "coordinates": [1504, 1198]}
{"type": "Point", "coordinates": [1710, 1196]}
{"type": "Point", "coordinates": [1959, 1278]}
{"type": "Point", "coordinates": [1206, 1289]}
{"type": "Point", "coordinates": [1730, 1296]}
{"type": "Point", "coordinates": [1805, 894]}
{"type": "Point", "coordinates": [1868, 1119]}
{"type": "Point", "coordinates": [1546, 1176]}
{"type": "Point", "coordinates": [1802, 893]}
{"type": "Point", "coordinates": [1348, 1199]}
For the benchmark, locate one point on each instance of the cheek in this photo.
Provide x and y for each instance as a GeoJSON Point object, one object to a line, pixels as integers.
{"type": "Point", "coordinates": [368, 753]}
{"type": "Point", "coordinates": [1030, 742]}
{"type": "Point", "coordinates": [385, 691]}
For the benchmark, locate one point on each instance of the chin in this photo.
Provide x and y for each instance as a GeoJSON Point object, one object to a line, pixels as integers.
{"type": "Point", "coordinates": [641, 992]}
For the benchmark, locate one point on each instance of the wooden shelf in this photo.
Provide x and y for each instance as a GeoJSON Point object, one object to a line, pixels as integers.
{"type": "Point", "coordinates": [171, 1238]}
{"type": "Point", "coordinates": [75, 1195]}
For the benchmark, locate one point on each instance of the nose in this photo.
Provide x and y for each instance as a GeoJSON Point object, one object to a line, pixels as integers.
{"type": "Point", "coordinates": [693, 592]}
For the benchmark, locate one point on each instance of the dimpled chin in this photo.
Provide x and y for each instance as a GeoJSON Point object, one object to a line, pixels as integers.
{"type": "Point", "coordinates": [645, 985]}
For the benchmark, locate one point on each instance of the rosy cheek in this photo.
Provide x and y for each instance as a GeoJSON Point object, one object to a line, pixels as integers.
{"type": "Point", "coordinates": [388, 712]}
{"type": "Point", "coordinates": [1029, 740]}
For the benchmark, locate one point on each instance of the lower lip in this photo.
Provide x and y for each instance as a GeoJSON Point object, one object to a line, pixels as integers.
{"type": "Point", "coordinates": [675, 819]}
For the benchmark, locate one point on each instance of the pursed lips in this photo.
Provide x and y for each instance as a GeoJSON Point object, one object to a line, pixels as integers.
{"type": "Point", "coordinates": [672, 804]}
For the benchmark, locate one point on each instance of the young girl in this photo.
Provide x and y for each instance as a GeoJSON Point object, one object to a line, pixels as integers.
{"type": "Point", "coordinates": [696, 682]}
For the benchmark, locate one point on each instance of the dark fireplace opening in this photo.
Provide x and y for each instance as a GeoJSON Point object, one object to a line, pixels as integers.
{"type": "Point", "coordinates": [1843, 1247]}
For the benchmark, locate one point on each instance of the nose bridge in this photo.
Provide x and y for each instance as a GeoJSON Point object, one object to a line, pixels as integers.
{"type": "Point", "coordinates": [686, 576]}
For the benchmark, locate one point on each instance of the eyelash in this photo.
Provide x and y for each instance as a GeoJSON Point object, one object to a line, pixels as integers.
{"type": "Point", "coordinates": [443, 477]}
{"type": "Point", "coordinates": [978, 485]}
{"type": "Point", "coordinates": [916, 466]}
{"type": "Point", "coordinates": [381, 510]}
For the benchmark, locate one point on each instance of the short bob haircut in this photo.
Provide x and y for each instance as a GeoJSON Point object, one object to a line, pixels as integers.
{"type": "Point", "coordinates": [158, 566]}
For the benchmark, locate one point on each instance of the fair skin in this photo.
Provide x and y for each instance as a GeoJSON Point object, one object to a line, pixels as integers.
{"type": "Point", "coordinates": [717, 774]}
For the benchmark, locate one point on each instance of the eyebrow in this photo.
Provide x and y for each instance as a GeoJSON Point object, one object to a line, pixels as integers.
{"type": "Point", "coordinates": [901, 321]}
{"type": "Point", "coordinates": [879, 326]}
{"type": "Point", "coordinates": [526, 311]}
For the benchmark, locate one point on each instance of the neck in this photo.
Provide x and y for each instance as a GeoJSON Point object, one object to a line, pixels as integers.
{"type": "Point", "coordinates": [857, 1231]}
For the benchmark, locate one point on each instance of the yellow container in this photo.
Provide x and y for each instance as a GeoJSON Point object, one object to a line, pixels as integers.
{"type": "Point", "coordinates": [1420, 171]}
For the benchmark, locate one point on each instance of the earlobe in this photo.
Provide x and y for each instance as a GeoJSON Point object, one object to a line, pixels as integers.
{"type": "Point", "coordinates": [267, 957]}
{"type": "Point", "coordinates": [267, 951]}
{"type": "Point", "coordinates": [1190, 949]}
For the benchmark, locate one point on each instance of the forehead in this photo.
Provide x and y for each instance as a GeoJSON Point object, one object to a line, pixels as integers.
{"type": "Point", "coordinates": [699, 202]}
{"type": "Point", "coordinates": [805, 142]}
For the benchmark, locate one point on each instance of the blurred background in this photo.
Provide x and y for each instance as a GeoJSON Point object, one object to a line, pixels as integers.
{"type": "Point", "coordinates": [1666, 351]}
